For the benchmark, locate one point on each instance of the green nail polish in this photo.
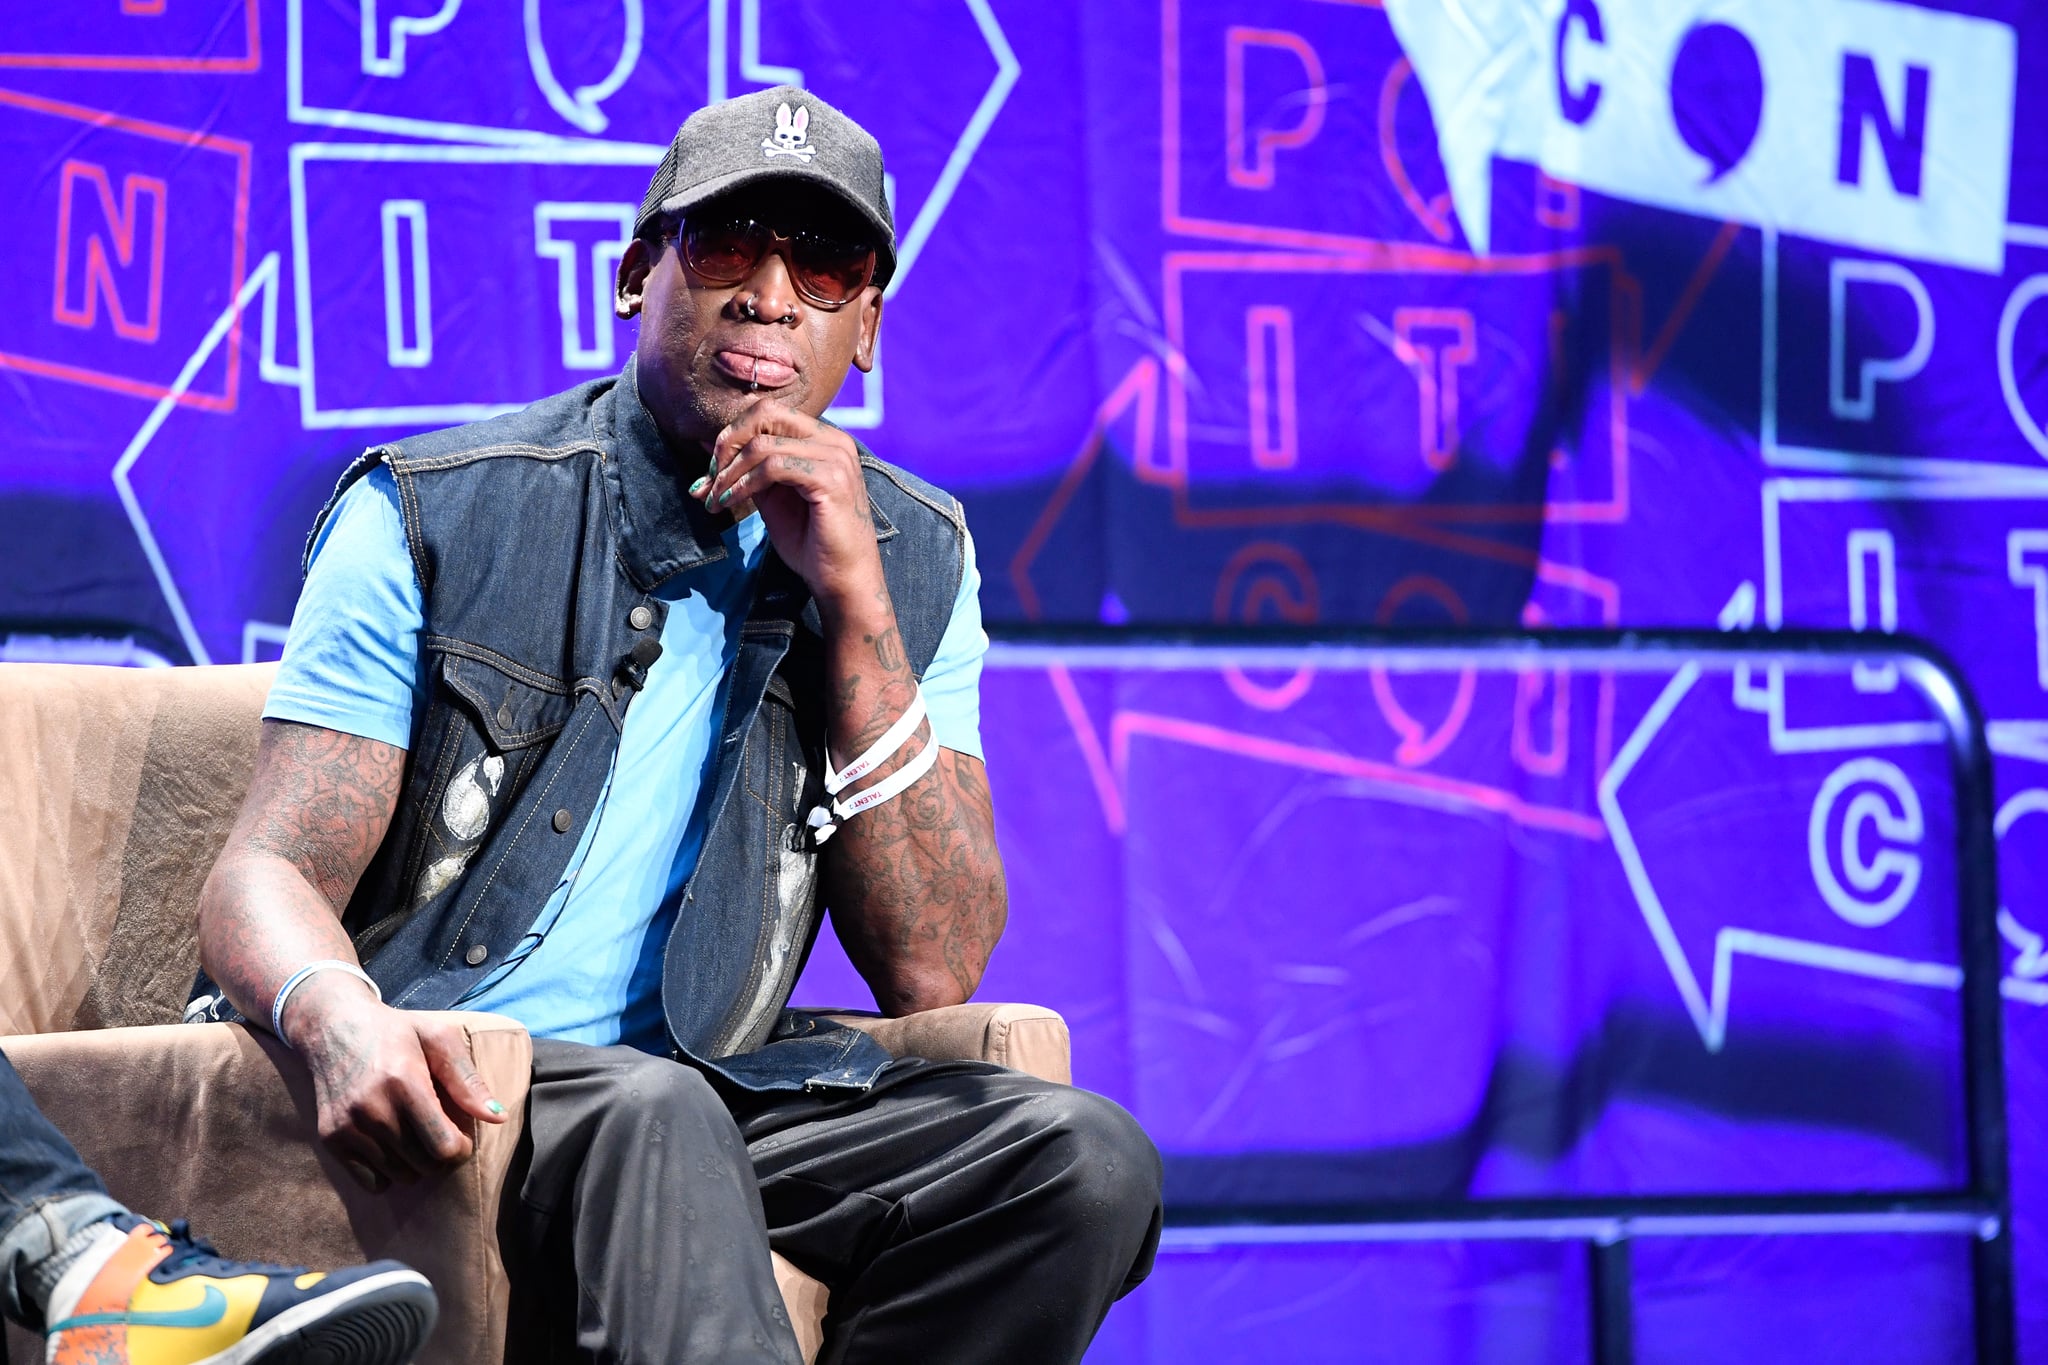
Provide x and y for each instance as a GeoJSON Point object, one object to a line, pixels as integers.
{"type": "Point", "coordinates": [495, 1107]}
{"type": "Point", "coordinates": [698, 487]}
{"type": "Point", "coordinates": [725, 497]}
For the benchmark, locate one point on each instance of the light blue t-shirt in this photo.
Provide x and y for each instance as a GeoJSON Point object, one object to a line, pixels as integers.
{"type": "Point", "coordinates": [590, 968]}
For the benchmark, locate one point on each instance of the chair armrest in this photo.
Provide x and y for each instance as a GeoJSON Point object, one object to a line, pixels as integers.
{"type": "Point", "coordinates": [1027, 1038]}
{"type": "Point", "coordinates": [216, 1122]}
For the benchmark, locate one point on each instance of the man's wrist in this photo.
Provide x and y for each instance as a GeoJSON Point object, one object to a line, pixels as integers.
{"type": "Point", "coordinates": [319, 1002]}
{"type": "Point", "coordinates": [862, 613]}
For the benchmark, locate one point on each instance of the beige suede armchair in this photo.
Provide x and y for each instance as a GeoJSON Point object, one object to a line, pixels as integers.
{"type": "Point", "coordinates": [117, 788]}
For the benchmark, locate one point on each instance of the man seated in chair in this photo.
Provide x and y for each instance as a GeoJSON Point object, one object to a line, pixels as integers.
{"type": "Point", "coordinates": [586, 712]}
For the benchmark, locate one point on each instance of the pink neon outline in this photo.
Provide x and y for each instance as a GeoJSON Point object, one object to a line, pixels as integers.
{"type": "Point", "coordinates": [1106, 772]}
{"type": "Point", "coordinates": [1419, 744]}
{"type": "Point", "coordinates": [1522, 741]}
{"type": "Point", "coordinates": [1171, 218]}
{"type": "Point", "coordinates": [1107, 789]}
{"type": "Point", "coordinates": [1205, 736]}
{"type": "Point", "coordinates": [1260, 175]}
{"type": "Point", "coordinates": [99, 272]}
{"type": "Point", "coordinates": [1436, 375]}
{"type": "Point", "coordinates": [1421, 523]}
{"type": "Point", "coordinates": [1303, 609]}
{"type": "Point", "coordinates": [1260, 321]}
{"type": "Point", "coordinates": [1138, 387]}
{"type": "Point", "coordinates": [225, 400]}
{"type": "Point", "coordinates": [1681, 311]}
{"type": "Point", "coordinates": [1607, 593]}
{"type": "Point", "coordinates": [1528, 690]}
{"type": "Point", "coordinates": [251, 59]}
{"type": "Point", "coordinates": [1565, 216]}
{"type": "Point", "coordinates": [142, 7]}
{"type": "Point", "coordinates": [1433, 214]}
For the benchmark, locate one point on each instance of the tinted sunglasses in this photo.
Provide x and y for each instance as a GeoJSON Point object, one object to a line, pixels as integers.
{"type": "Point", "coordinates": [829, 271]}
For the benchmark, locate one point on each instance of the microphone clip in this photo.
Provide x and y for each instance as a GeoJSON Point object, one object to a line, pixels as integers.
{"type": "Point", "coordinates": [632, 669]}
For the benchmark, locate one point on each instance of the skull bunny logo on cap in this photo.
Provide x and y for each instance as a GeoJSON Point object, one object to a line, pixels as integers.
{"type": "Point", "coordinates": [792, 134]}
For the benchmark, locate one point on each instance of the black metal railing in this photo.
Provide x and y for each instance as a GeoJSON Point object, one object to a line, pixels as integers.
{"type": "Point", "coordinates": [1609, 1224]}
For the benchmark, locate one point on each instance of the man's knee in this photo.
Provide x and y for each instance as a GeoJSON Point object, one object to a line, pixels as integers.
{"type": "Point", "coordinates": [1111, 1167]}
{"type": "Point", "coordinates": [660, 1088]}
{"type": "Point", "coordinates": [626, 1090]}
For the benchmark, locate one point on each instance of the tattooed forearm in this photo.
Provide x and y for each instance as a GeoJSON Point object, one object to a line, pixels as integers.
{"type": "Point", "coordinates": [321, 800]}
{"type": "Point", "coordinates": [916, 883]}
{"type": "Point", "coordinates": [888, 646]}
{"type": "Point", "coordinates": [318, 805]}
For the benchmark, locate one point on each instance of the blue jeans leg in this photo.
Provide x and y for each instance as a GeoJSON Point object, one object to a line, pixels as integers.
{"type": "Point", "coordinates": [47, 1193]}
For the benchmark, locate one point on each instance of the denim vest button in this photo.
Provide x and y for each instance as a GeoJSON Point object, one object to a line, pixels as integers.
{"type": "Point", "coordinates": [505, 715]}
{"type": "Point", "coordinates": [563, 819]}
{"type": "Point", "coordinates": [640, 618]}
{"type": "Point", "coordinates": [476, 955]}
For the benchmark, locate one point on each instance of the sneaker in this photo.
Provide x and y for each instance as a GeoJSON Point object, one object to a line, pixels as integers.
{"type": "Point", "coordinates": [144, 1294]}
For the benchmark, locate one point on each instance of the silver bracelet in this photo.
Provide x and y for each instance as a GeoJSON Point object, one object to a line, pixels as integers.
{"type": "Point", "coordinates": [299, 978]}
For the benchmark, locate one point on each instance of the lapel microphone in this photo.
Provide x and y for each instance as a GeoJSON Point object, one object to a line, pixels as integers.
{"type": "Point", "coordinates": [632, 669]}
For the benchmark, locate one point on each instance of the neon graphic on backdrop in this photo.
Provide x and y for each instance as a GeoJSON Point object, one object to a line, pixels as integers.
{"type": "Point", "coordinates": [124, 224]}
{"type": "Point", "coordinates": [1861, 406]}
{"type": "Point", "coordinates": [1436, 374]}
{"type": "Point", "coordinates": [2027, 977]}
{"type": "Point", "coordinates": [2026, 558]}
{"type": "Point", "coordinates": [250, 60]}
{"type": "Point", "coordinates": [376, 61]}
{"type": "Point", "coordinates": [1898, 822]}
{"type": "Point", "coordinates": [572, 288]}
{"type": "Point", "coordinates": [580, 106]}
{"type": "Point", "coordinates": [1269, 387]}
{"type": "Point", "coordinates": [1424, 522]}
{"type": "Point", "coordinates": [153, 137]}
{"type": "Point", "coordinates": [226, 327]}
{"type": "Point", "coordinates": [1257, 172]}
{"type": "Point", "coordinates": [1874, 548]}
{"type": "Point", "coordinates": [1709, 1007]}
{"type": "Point", "coordinates": [2030, 291]}
{"type": "Point", "coordinates": [404, 224]}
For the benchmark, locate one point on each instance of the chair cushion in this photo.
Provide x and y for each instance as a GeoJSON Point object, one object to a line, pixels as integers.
{"type": "Point", "coordinates": [117, 788]}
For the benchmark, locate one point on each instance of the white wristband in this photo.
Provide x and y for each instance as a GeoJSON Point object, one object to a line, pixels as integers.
{"type": "Point", "coordinates": [826, 819]}
{"type": "Point", "coordinates": [301, 976]}
{"type": "Point", "coordinates": [881, 751]}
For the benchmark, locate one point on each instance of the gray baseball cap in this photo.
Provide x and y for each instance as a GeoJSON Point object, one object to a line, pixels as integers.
{"type": "Point", "coordinates": [784, 133]}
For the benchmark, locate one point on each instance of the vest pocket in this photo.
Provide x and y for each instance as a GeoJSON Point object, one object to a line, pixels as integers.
{"type": "Point", "coordinates": [495, 726]}
{"type": "Point", "coordinates": [513, 712]}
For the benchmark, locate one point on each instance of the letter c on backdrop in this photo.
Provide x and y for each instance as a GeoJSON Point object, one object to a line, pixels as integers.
{"type": "Point", "coordinates": [1578, 105]}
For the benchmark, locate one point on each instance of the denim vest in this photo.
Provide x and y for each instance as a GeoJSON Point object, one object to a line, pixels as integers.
{"type": "Point", "coordinates": [538, 539]}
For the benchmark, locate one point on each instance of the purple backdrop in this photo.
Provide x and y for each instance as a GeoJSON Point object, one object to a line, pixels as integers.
{"type": "Point", "coordinates": [1583, 313]}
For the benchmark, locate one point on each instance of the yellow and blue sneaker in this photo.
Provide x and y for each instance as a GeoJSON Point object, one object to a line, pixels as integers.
{"type": "Point", "coordinates": [144, 1294]}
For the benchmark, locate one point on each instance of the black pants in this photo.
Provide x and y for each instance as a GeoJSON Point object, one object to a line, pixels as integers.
{"type": "Point", "coordinates": [960, 1214]}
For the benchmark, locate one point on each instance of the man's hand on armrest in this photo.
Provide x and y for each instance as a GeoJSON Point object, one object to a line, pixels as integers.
{"type": "Point", "coordinates": [319, 803]}
{"type": "Point", "coordinates": [395, 1090]}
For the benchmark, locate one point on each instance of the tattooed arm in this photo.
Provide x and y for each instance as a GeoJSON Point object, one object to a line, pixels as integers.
{"type": "Point", "coordinates": [319, 803]}
{"type": "Point", "coordinates": [916, 883]}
